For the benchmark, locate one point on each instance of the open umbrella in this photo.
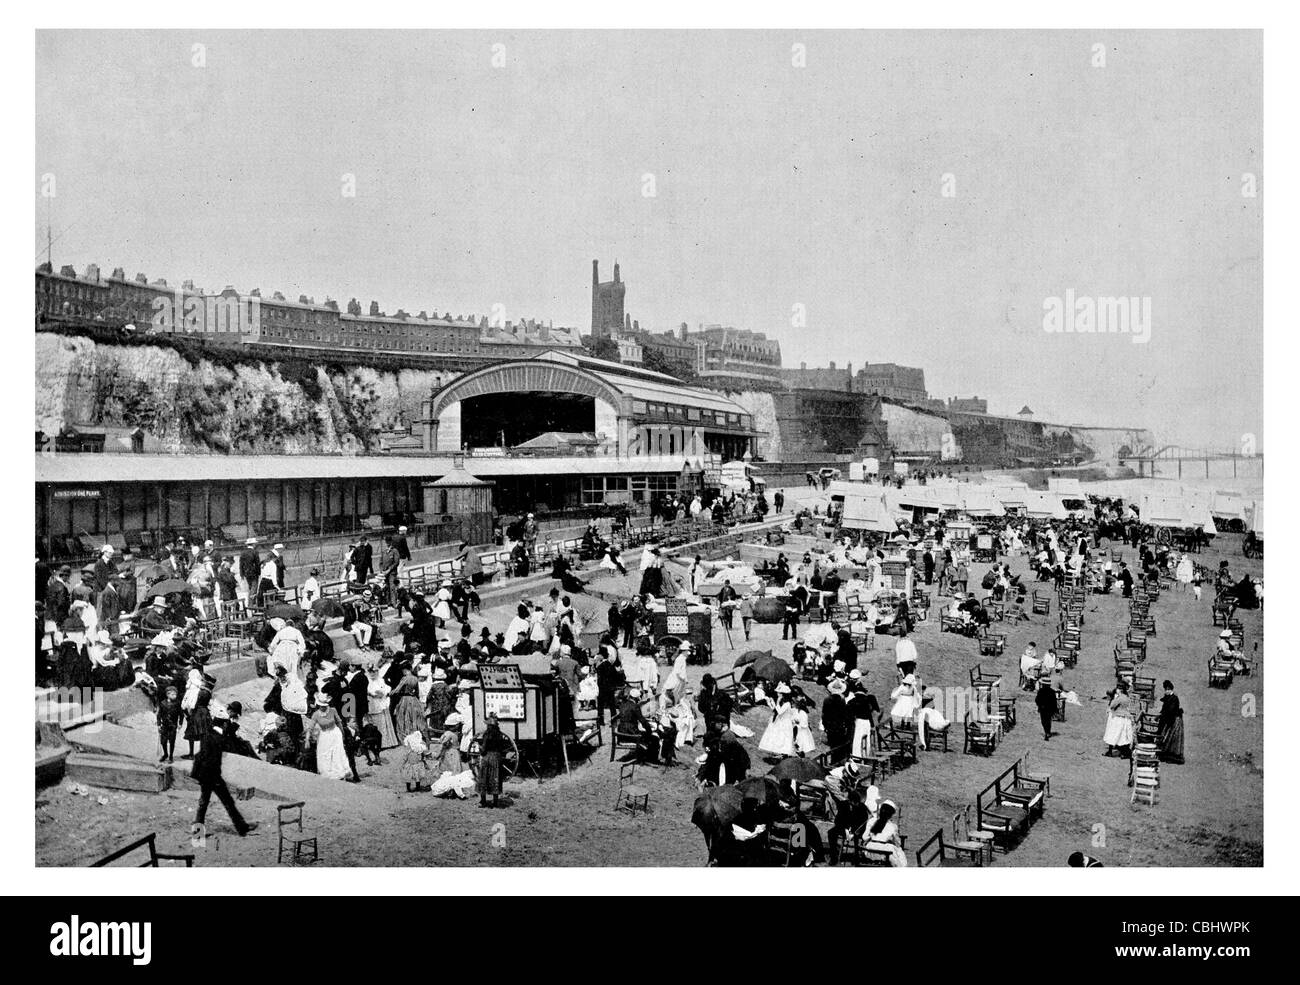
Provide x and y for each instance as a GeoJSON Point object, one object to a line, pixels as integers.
{"type": "Point", "coordinates": [750, 656]}
{"type": "Point", "coordinates": [152, 573]}
{"type": "Point", "coordinates": [715, 808]}
{"type": "Point", "coordinates": [283, 610]}
{"type": "Point", "coordinates": [797, 769]}
{"type": "Point", "coordinates": [169, 586]}
{"type": "Point", "coordinates": [327, 608]}
{"type": "Point", "coordinates": [764, 789]}
{"type": "Point", "coordinates": [770, 668]}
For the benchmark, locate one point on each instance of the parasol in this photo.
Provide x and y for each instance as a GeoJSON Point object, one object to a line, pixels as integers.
{"type": "Point", "coordinates": [774, 669]}
{"type": "Point", "coordinates": [327, 608]}
{"type": "Point", "coordinates": [716, 807]}
{"type": "Point", "coordinates": [154, 572]}
{"type": "Point", "coordinates": [764, 789]}
{"type": "Point", "coordinates": [751, 656]}
{"type": "Point", "coordinates": [798, 770]}
{"type": "Point", "coordinates": [283, 610]}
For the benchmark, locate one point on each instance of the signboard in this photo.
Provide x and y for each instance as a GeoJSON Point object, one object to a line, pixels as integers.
{"type": "Point", "coordinates": [679, 620]}
{"type": "Point", "coordinates": [900, 468]}
{"type": "Point", "coordinates": [76, 494]}
{"type": "Point", "coordinates": [871, 466]}
{"type": "Point", "coordinates": [509, 706]}
{"type": "Point", "coordinates": [855, 472]}
{"type": "Point", "coordinates": [735, 474]}
{"type": "Point", "coordinates": [498, 676]}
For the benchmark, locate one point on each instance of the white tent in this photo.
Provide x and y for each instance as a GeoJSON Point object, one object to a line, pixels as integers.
{"type": "Point", "coordinates": [1041, 505]}
{"type": "Point", "coordinates": [980, 501]}
{"type": "Point", "coordinates": [866, 511]}
{"type": "Point", "coordinates": [1172, 509]}
{"type": "Point", "coordinates": [1229, 506]}
{"type": "Point", "coordinates": [1012, 495]}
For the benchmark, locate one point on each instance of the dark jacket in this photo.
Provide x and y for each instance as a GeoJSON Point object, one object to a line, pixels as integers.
{"type": "Point", "coordinates": [1045, 699]}
{"type": "Point", "coordinates": [357, 697]}
{"type": "Point", "coordinates": [207, 762]}
{"type": "Point", "coordinates": [250, 566]}
{"type": "Point", "coordinates": [363, 560]}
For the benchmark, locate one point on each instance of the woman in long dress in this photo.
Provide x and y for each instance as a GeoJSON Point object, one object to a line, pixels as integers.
{"type": "Point", "coordinates": [408, 709]}
{"type": "Point", "coordinates": [804, 743]}
{"type": "Point", "coordinates": [1119, 723]}
{"type": "Point", "coordinates": [327, 727]}
{"type": "Point", "coordinates": [906, 701]}
{"type": "Point", "coordinates": [778, 737]}
{"type": "Point", "coordinates": [884, 831]}
{"type": "Point", "coordinates": [1170, 734]}
{"type": "Point", "coordinates": [442, 605]}
{"type": "Point", "coordinates": [492, 745]}
{"type": "Point", "coordinates": [377, 713]}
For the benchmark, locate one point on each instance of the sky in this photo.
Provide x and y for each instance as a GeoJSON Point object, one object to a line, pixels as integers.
{"type": "Point", "coordinates": [909, 197]}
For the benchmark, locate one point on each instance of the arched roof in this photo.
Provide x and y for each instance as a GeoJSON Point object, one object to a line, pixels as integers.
{"type": "Point", "coordinates": [529, 375]}
{"type": "Point", "coordinates": [557, 372]}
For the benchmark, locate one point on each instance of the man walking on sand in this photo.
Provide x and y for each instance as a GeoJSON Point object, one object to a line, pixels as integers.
{"type": "Point", "coordinates": [207, 770]}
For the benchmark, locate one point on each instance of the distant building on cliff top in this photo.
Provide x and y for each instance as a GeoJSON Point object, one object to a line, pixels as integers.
{"type": "Point", "coordinates": [310, 329]}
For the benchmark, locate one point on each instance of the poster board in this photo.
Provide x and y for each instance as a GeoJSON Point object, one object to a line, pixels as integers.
{"type": "Point", "coordinates": [678, 617]}
{"type": "Point", "coordinates": [503, 692]}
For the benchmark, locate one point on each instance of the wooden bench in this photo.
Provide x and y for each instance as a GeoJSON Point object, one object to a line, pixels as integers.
{"type": "Point", "coordinates": [1017, 787]}
{"type": "Point", "coordinates": [991, 644]}
{"type": "Point", "coordinates": [953, 624]}
{"type": "Point", "coordinates": [979, 677]}
{"type": "Point", "coordinates": [1006, 820]}
{"type": "Point", "coordinates": [936, 852]}
{"type": "Point", "coordinates": [980, 737]}
{"type": "Point", "coordinates": [148, 842]}
{"type": "Point", "coordinates": [1220, 672]}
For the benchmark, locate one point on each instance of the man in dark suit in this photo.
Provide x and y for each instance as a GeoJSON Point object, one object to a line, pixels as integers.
{"type": "Point", "coordinates": [58, 597]}
{"type": "Point", "coordinates": [363, 559]}
{"type": "Point", "coordinates": [207, 771]}
{"type": "Point", "coordinates": [105, 569]}
{"type": "Point", "coordinates": [109, 607]}
{"type": "Point", "coordinates": [356, 702]}
{"type": "Point", "coordinates": [250, 565]}
{"type": "Point", "coordinates": [127, 588]}
{"type": "Point", "coordinates": [403, 549]}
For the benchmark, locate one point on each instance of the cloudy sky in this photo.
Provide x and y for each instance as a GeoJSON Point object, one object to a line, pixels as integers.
{"type": "Point", "coordinates": [739, 178]}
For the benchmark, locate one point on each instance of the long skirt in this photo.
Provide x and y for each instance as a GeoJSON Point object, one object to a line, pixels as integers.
{"type": "Point", "coordinates": [778, 738]}
{"type": "Point", "coordinates": [861, 735]}
{"type": "Point", "coordinates": [1171, 742]}
{"type": "Point", "coordinates": [409, 715]}
{"type": "Point", "coordinates": [1119, 731]}
{"type": "Point", "coordinates": [383, 721]}
{"type": "Point", "coordinates": [331, 758]}
{"type": "Point", "coordinates": [489, 769]}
